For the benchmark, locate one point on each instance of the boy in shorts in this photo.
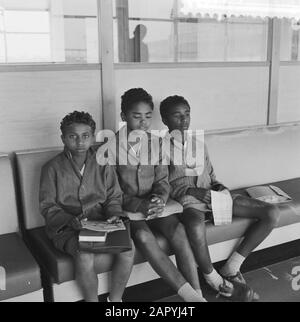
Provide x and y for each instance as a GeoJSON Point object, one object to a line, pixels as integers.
{"type": "Point", "coordinates": [74, 187]}
{"type": "Point", "coordinates": [194, 193]}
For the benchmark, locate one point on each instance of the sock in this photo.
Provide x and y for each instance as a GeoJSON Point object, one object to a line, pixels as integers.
{"type": "Point", "coordinates": [199, 291]}
{"type": "Point", "coordinates": [188, 294]}
{"type": "Point", "coordinates": [109, 301]}
{"type": "Point", "coordinates": [214, 279]}
{"type": "Point", "coordinates": [233, 265]}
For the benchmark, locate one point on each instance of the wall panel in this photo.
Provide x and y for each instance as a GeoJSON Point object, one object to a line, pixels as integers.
{"type": "Point", "coordinates": [33, 103]}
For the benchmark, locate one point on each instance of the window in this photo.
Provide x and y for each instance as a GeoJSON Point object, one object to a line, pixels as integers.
{"type": "Point", "coordinates": [158, 31]}
{"type": "Point", "coordinates": [290, 41]}
{"type": "Point", "coordinates": [54, 31]}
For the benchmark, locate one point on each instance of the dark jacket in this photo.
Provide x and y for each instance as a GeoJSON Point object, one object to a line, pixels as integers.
{"type": "Point", "coordinates": [65, 193]}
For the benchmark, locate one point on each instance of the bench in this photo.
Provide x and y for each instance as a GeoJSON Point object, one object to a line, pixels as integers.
{"type": "Point", "coordinates": [20, 278]}
{"type": "Point", "coordinates": [235, 169]}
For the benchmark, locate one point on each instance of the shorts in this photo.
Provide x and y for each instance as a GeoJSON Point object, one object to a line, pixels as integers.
{"type": "Point", "coordinates": [188, 201]}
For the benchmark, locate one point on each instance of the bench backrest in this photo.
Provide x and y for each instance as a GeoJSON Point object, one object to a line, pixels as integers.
{"type": "Point", "coordinates": [240, 159]}
{"type": "Point", "coordinates": [8, 208]}
{"type": "Point", "coordinates": [29, 168]}
{"type": "Point", "coordinates": [253, 157]}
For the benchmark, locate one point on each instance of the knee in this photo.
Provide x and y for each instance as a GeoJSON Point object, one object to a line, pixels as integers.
{"type": "Point", "coordinates": [272, 215]}
{"type": "Point", "coordinates": [142, 236]}
{"type": "Point", "coordinates": [196, 225]}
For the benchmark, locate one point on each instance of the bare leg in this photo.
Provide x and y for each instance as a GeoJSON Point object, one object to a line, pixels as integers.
{"type": "Point", "coordinates": [194, 222]}
{"type": "Point", "coordinates": [86, 276]}
{"type": "Point", "coordinates": [174, 231]}
{"type": "Point", "coordinates": [266, 215]}
{"type": "Point", "coordinates": [161, 263]}
{"type": "Point", "coordinates": [121, 271]}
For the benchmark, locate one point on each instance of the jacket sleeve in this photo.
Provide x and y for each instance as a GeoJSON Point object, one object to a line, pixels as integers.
{"type": "Point", "coordinates": [178, 181]}
{"type": "Point", "coordinates": [161, 185]}
{"type": "Point", "coordinates": [210, 169]}
{"type": "Point", "coordinates": [113, 203]}
{"type": "Point", "coordinates": [56, 218]}
{"type": "Point", "coordinates": [131, 203]}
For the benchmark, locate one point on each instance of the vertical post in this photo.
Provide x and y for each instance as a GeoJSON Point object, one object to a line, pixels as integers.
{"type": "Point", "coordinates": [57, 33]}
{"type": "Point", "coordinates": [122, 11]}
{"type": "Point", "coordinates": [105, 13]}
{"type": "Point", "coordinates": [295, 45]}
{"type": "Point", "coordinates": [176, 31]}
{"type": "Point", "coordinates": [2, 12]}
{"type": "Point", "coordinates": [274, 60]}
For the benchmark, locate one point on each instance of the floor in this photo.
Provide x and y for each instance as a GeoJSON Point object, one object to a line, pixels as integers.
{"type": "Point", "coordinates": [275, 283]}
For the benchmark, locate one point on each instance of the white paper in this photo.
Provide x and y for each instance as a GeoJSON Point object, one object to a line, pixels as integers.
{"type": "Point", "coordinates": [222, 205]}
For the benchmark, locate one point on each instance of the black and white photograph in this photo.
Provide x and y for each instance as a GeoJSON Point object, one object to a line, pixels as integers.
{"type": "Point", "coordinates": [150, 154]}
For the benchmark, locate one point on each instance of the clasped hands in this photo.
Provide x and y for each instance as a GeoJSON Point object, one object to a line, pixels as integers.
{"type": "Point", "coordinates": [152, 207]}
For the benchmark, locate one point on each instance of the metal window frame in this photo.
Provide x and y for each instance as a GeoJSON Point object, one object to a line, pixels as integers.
{"type": "Point", "coordinates": [107, 67]}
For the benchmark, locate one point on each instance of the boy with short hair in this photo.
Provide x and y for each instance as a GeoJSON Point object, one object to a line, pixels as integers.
{"type": "Point", "coordinates": [74, 187]}
{"type": "Point", "coordinates": [194, 193]}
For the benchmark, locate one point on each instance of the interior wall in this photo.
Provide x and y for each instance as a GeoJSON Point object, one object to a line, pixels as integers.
{"type": "Point", "coordinates": [32, 105]}
{"type": "Point", "coordinates": [289, 94]}
{"type": "Point", "coordinates": [225, 97]}
{"type": "Point", "coordinates": [254, 157]}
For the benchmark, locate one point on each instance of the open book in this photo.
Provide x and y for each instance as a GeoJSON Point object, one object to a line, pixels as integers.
{"type": "Point", "coordinates": [115, 238]}
{"type": "Point", "coordinates": [270, 194]}
{"type": "Point", "coordinates": [102, 226]}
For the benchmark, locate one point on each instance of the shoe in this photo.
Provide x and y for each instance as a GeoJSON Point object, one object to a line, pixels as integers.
{"type": "Point", "coordinates": [236, 292]}
{"type": "Point", "coordinates": [238, 277]}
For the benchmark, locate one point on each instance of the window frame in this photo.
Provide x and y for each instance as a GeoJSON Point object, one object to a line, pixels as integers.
{"type": "Point", "coordinates": [107, 68]}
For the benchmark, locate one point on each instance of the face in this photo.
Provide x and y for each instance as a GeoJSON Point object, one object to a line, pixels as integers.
{"type": "Point", "coordinates": [138, 117]}
{"type": "Point", "coordinates": [78, 138]}
{"type": "Point", "coordinates": [179, 118]}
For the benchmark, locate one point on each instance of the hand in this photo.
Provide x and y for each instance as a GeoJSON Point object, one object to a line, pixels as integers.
{"type": "Point", "coordinates": [114, 219]}
{"type": "Point", "coordinates": [218, 187]}
{"type": "Point", "coordinates": [75, 224]}
{"type": "Point", "coordinates": [201, 194]}
{"type": "Point", "coordinates": [149, 208]}
{"type": "Point", "coordinates": [156, 199]}
{"type": "Point", "coordinates": [157, 206]}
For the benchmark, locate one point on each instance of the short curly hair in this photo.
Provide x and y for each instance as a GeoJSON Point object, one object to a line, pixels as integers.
{"type": "Point", "coordinates": [77, 117]}
{"type": "Point", "coordinates": [170, 102]}
{"type": "Point", "coordinates": [133, 97]}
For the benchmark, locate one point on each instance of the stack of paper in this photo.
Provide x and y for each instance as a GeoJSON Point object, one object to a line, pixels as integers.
{"type": "Point", "coordinates": [270, 194]}
{"type": "Point", "coordinates": [222, 205]}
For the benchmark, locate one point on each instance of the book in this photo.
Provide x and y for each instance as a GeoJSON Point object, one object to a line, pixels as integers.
{"type": "Point", "coordinates": [270, 194]}
{"type": "Point", "coordinates": [116, 242]}
{"type": "Point", "coordinates": [86, 235]}
{"type": "Point", "coordinates": [102, 226]}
